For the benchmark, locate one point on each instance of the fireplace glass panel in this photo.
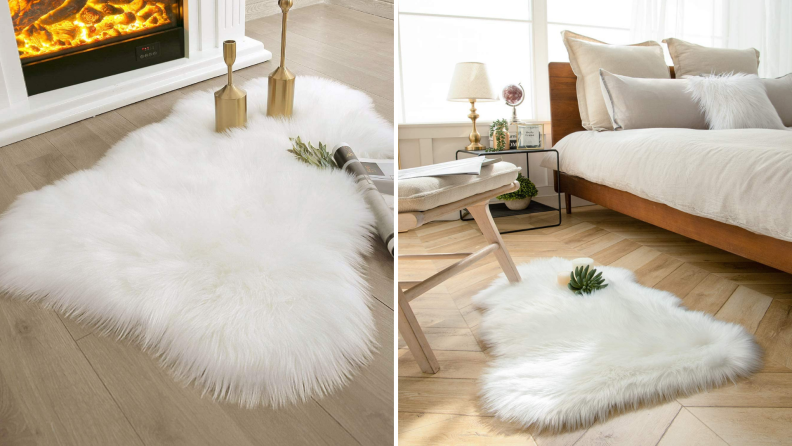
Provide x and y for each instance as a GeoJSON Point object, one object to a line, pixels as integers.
{"type": "Point", "coordinates": [47, 28]}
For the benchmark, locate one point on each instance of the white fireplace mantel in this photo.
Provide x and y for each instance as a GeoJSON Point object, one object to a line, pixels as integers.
{"type": "Point", "coordinates": [207, 24]}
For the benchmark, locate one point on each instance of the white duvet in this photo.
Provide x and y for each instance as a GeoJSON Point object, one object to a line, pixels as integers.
{"type": "Point", "coordinates": [740, 177]}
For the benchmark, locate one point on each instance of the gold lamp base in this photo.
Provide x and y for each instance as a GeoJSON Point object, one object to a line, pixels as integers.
{"type": "Point", "coordinates": [230, 101]}
{"type": "Point", "coordinates": [280, 97]}
{"type": "Point", "coordinates": [475, 136]}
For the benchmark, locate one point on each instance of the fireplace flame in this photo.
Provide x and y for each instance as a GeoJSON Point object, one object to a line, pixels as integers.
{"type": "Point", "coordinates": [48, 26]}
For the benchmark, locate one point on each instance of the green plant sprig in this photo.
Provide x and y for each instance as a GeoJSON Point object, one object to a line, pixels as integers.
{"type": "Point", "coordinates": [527, 189]}
{"type": "Point", "coordinates": [315, 156]}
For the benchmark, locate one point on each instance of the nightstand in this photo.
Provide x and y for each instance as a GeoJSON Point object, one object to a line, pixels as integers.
{"type": "Point", "coordinates": [500, 209]}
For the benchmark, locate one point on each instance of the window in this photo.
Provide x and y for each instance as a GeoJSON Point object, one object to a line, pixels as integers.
{"type": "Point", "coordinates": [606, 21]}
{"type": "Point", "coordinates": [434, 36]}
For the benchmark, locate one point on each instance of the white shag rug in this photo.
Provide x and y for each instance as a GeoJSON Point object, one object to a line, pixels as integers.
{"type": "Point", "coordinates": [564, 361]}
{"type": "Point", "coordinates": [235, 264]}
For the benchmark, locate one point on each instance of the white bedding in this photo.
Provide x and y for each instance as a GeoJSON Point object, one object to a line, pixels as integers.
{"type": "Point", "coordinates": [740, 177]}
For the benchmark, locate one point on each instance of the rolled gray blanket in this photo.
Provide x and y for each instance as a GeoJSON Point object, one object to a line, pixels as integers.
{"type": "Point", "coordinates": [346, 160]}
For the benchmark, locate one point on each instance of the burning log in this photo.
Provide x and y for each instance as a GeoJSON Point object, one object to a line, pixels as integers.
{"type": "Point", "coordinates": [25, 12]}
{"type": "Point", "coordinates": [64, 11]}
{"type": "Point", "coordinates": [136, 5]}
{"type": "Point", "coordinates": [152, 21]}
{"type": "Point", "coordinates": [64, 31]}
{"type": "Point", "coordinates": [126, 18]}
{"type": "Point", "coordinates": [37, 33]}
{"type": "Point", "coordinates": [109, 9]}
{"type": "Point", "coordinates": [90, 15]}
{"type": "Point", "coordinates": [150, 10]}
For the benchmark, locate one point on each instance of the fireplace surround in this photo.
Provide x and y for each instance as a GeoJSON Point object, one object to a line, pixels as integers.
{"type": "Point", "coordinates": [66, 60]}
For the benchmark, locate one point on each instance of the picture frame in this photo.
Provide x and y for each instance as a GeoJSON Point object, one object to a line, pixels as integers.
{"type": "Point", "coordinates": [530, 136]}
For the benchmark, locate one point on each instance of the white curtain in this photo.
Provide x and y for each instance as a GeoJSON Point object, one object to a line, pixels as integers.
{"type": "Point", "coordinates": [762, 24]}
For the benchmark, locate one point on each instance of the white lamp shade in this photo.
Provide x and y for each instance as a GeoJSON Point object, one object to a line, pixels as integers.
{"type": "Point", "coordinates": [470, 81]}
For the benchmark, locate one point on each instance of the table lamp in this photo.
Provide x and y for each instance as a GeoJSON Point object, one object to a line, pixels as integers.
{"type": "Point", "coordinates": [471, 83]}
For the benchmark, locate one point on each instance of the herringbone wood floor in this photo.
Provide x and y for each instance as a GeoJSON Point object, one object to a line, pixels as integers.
{"type": "Point", "coordinates": [443, 408]}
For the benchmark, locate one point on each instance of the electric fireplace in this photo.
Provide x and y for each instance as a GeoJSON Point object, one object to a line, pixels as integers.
{"type": "Point", "coordinates": [62, 61]}
{"type": "Point", "coordinates": [67, 42]}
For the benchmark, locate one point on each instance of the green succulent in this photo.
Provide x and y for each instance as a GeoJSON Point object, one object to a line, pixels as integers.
{"type": "Point", "coordinates": [315, 156]}
{"type": "Point", "coordinates": [585, 281]}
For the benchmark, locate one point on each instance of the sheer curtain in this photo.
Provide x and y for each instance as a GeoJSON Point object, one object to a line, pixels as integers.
{"type": "Point", "coordinates": [762, 24]}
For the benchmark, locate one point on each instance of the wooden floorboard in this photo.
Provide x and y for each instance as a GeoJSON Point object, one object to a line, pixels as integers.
{"type": "Point", "coordinates": [63, 384]}
{"type": "Point", "coordinates": [445, 406]}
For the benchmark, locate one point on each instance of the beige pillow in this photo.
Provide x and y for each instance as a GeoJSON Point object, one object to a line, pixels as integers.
{"type": "Point", "coordinates": [780, 93]}
{"type": "Point", "coordinates": [692, 60]}
{"type": "Point", "coordinates": [587, 56]}
{"type": "Point", "coordinates": [650, 103]}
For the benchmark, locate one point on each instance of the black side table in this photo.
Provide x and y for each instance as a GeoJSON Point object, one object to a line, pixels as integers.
{"type": "Point", "coordinates": [500, 209]}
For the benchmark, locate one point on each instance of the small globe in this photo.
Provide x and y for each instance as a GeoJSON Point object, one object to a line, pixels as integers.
{"type": "Point", "coordinates": [513, 94]}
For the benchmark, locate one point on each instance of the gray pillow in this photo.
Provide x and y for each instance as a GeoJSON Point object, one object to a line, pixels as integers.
{"type": "Point", "coordinates": [779, 91]}
{"type": "Point", "coordinates": [635, 103]}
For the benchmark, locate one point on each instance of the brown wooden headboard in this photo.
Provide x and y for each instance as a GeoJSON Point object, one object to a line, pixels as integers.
{"type": "Point", "coordinates": [564, 111]}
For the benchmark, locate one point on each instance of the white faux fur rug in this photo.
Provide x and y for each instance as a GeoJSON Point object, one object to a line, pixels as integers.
{"type": "Point", "coordinates": [564, 361]}
{"type": "Point", "coordinates": [237, 265]}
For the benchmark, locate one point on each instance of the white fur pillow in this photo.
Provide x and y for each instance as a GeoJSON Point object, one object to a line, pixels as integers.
{"type": "Point", "coordinates": [734, 101]}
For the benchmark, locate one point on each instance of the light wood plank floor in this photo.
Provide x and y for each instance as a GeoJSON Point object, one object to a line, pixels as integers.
{"type": "Point", "coordinates": [444, 408]}
{"type": "Point", "coordinates": [61, 384]}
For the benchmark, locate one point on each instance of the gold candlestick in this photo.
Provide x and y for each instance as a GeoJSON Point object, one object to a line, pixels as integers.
{"type": "Point", "coordinates": [280, 99]}
{"type": "Point", "coordinates": [230, 101]}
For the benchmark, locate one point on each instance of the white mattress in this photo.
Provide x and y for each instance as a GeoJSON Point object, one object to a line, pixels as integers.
{"type": "Point", "coordinates": [740, 177]}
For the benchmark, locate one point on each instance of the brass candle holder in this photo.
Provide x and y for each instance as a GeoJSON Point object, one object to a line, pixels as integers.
{"type": "Point", "coordinates": [280, 98]}
{"type": "Point", "coordinates": [230, 101]}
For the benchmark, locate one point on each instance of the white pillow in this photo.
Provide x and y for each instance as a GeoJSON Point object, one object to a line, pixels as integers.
{"type": "Point", "coordinates": [779, 91]}
{"type": "Point", "coordinates": [734, 101]}
{"type": "Point", "coordinates": [650, 103]}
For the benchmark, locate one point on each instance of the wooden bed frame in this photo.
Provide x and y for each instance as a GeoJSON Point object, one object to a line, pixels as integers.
{"type": "Point", "coordinates": [565, 117]}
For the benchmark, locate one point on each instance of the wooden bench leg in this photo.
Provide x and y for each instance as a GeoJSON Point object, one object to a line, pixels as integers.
{"type": "Point", "coordinates": [568, 201]}
{"type": "Point", "coordinates": [415, 338]}
{"type": "Point", "coordinates": [481, 213]}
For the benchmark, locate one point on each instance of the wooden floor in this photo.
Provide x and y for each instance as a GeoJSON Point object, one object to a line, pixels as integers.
{"type": "Point", "coordinates": [444, 408]}
{"type": "Point", "coordinates": [60, 384]}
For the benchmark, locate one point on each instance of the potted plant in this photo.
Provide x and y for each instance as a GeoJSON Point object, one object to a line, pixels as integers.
{"type": "Point", "coordinates": [499, 135]}
{"type": "Point", "coordinates": [521, 198]}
